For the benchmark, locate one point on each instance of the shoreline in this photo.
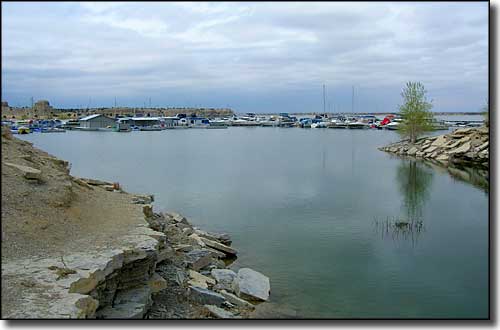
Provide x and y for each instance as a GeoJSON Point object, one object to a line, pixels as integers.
{"type": "Point", "coordinates": [84, 248]}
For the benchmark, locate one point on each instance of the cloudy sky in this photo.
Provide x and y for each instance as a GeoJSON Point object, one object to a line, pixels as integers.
{"type": "Point", "coordinates": [260, 57]}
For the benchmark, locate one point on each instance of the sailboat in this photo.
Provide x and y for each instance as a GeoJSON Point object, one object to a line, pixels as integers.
{"type": "Point", "coordinates": [354, 122]}
{"type": "Point", "coordinates": [321, 124]}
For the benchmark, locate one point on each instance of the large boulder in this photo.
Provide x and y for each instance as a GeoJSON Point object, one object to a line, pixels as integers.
{"type": "Point", "coordinates": [252, 285]}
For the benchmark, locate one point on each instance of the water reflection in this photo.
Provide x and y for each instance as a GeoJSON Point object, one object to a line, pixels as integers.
{"type": "Point", "coordinates": [414, 180]}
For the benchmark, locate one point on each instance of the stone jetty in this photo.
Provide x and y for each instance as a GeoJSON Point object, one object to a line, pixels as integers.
{"type": "Point", "coordinates": [463, 147]}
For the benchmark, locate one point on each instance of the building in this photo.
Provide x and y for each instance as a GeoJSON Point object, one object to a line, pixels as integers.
{"type": "Point", "coordinates": [170, 122]}
{"type": "Point", "coordinates": [96, 121]}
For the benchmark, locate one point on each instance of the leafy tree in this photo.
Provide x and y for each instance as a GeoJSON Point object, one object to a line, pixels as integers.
{"type": "Point", "coordinates": [415, 111]}
{"type": "Point", "coordinates": [486, 114]}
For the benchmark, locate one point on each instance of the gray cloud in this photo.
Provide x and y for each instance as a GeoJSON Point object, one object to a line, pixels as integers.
{"type": "Point", "coordinates": [253, 56]}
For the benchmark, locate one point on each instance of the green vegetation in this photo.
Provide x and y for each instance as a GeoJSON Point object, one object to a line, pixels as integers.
{"type": "Point", "coordinates": [486, 114]}
{"type": "Point", "coordinates": [415, 111]}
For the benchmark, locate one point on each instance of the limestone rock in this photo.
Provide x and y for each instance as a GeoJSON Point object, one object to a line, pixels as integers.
{"type": "Point", "coordinates": [439, 141]}
{"type": "Point", "coordinates": [219, 312]}
{"type": "Point", "coordinates": [462, 149]}
{"type": "Point", "coordinates": [197, 277]}
{"type": "Point", "coordinates": [28, 172]}
{"type": "Point", "coordinates": [178, 218]}
{"type": "Point", "coordinates": [224, 278]}
{"type": "Point", "coordinates": [222, 238]}
{"type": "Point", "coordinates": [253, 285]}
{"type": "Point", "coordinates": [198, 259]}
{"type": "Point", "coordinates": [235, 300]}
{"type": "Point", "coordinates": [205, 296]}
{"type": "Point", "coordinates": [219, 246]}
{"type": "Point", "coordinates": [197, 240]}
{"type": "Point", "coordinates": [412, 151]}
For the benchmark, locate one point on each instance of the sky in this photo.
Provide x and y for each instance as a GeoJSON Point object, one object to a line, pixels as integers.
{"type": "Point", "coordinates": [251, 57]}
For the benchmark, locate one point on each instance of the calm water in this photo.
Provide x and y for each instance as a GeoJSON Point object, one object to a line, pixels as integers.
{"type": "Point", "coordinates": [302, 207]}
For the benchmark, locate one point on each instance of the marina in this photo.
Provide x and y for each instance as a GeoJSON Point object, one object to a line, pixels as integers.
{"type": "Point", "coordinates": [103, 123]}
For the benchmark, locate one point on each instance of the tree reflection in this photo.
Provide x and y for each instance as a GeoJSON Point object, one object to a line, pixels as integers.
{"type": "Point", "coordinates": [414, 183]}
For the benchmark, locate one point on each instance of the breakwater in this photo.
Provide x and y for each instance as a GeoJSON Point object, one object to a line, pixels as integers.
{"type": "Point", "coordinates": [462, 147]}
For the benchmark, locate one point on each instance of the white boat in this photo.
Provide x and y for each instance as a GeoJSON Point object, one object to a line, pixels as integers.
{"type": "Point", "coordinates": [392, 126]}
{"type": "Point", "coordinates": [321, 124]}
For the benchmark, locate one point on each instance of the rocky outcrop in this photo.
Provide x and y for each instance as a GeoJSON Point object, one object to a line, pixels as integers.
{"type": "Point", "coordinates": [84, 248]}
{"type": "Point", "coordinates": [463, 147]}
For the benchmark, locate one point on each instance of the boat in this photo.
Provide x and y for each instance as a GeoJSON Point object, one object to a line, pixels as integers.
{"type": "Point", "coordinates": [393, 125]}
{"type": "Point", "coordinates": [215, 124]}
{"type": "Point", "coordinates": [23, 130]}
{"type": "Point", "coordinates": [320, 124]}
{"type": "Point", "coordinates": [354, 123]}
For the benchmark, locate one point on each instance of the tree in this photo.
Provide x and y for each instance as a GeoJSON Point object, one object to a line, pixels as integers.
{"type": "Point", "coordinates": [486, 114]}
{"type": "Point", "coordinates": [415, 111]}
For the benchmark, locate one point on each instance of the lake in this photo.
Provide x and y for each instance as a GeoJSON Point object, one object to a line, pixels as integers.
{"type": "Point", "coordinates": [308, 208]}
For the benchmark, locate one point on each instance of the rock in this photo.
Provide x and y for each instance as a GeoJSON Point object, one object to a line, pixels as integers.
{"type": "Point", "coordinates": [220, 313]}
{"type": "Point", "coordinates": [462, 131]}
{"type": "Point", "coordinates": [217, 254]}
{"type": "Point", "coordinates": [187, 231]}
{"type": "Point", "coordinates": [222, 238]}
{"type": "Point", "coordinates": [412, 151]}
{"type": "Point", "coordinates": [462, 149]}
{"type": "Point", "coordinates": [164, 254]}
{"type": "Point", "coordinates": [452, 145]}
{"type": "Point", "coordinates": [178, 218]}
{"type": "Point", "coordinates": [439, 141]}
{"type": "Point", "coordinates": [419, 154]}
{"type": "Point", "coordinates": [252, 285]}
{"type": "Point", "coordinates": [143, 199]}
{"type": "Point", "coordinates": [148, 211]}
{"type": "Point", "coordinates": [430, 149]}
{"type": "Point", "coordinates": [94, 182]}
{"type": "Point", "coordinates": [196, 240]}
{"type": "Point", "coordinates": [183, 247]}
{"type": "Point", "coordinates": [483, 146]}
{"type": "Point", "coordinates": [205, 296]}
{"type": "Point", "coordinates": [199, 258]}
{"type": "Point", "coordinates": [123, 311]}
{"type": "Point", "coordinates": [29, 173]}
{"type": "Point", "coordinates": [224, 278]}
{"type": "Point", "coordinates": [157, 283]}
{"type": "Point", "coordinates": [198, 284]}
{"type": "Point", "coordinates": [443, 158]}
{"type": "Point", "coordinates": [236, 300]}
{"type": "Point", "coordinates": [200, 278]}
{"type": "Point", "coordinates": [219, 246]}
{"type": "Point", "coordinates": [109, 188]}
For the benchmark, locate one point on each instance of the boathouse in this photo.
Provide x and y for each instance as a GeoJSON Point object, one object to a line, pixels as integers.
{"type": "Point", "coordinates": [96, 121]}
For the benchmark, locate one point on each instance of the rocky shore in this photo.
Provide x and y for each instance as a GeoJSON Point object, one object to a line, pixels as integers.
{"type": "Point", "coordinates": [463, 147]}
{"type": "Point", "coordinates": [83, 248]}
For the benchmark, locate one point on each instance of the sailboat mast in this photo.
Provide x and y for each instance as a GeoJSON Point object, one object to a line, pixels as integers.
{"type": "Point", "coordinates": [324, 99]}
{"type": "Point", "coordinates": [352, 100]}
